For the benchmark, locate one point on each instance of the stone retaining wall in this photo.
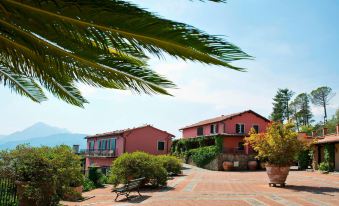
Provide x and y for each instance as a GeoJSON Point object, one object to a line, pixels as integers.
{"type": "Point", "coordinates": [216, 164]}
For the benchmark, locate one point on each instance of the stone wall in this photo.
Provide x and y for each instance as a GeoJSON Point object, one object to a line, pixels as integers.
{"type": "Point", "coordinates": [216, 164]}
{"type": "Point", "coordinates": [240, 158]}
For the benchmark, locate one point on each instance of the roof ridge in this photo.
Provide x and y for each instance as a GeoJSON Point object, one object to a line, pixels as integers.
{"type": "Point", "coordinates": [221, 118]}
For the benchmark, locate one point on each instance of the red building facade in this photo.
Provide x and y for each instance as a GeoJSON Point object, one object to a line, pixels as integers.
{"type": "Point", "coordinates": [103, 148]}
{"type": "Point", "coordinates": [233, 128]}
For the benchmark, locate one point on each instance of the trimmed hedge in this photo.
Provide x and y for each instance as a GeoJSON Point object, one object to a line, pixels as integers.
{"type": "Point", "coordinates": [172, 164]}
{"type": "Point", "coordinates": [203, 155]}
{"type": "Point", "coordinates": [136, 165]}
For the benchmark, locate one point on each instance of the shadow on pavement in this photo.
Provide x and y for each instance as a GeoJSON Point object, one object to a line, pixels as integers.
{"type": "Point", "coordinates": [313, 189]}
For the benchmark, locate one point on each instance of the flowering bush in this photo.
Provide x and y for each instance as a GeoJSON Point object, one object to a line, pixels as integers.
{"type": "Point", "coordinates": [278, 146]}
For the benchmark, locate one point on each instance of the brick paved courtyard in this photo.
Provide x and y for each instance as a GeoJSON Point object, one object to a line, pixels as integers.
{"type": "Point", "coordinates": [202, 187]}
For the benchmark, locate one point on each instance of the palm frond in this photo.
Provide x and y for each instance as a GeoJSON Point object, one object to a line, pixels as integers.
{"type": "Point", "coordinates": [119, 21]}
{"type": "Point", "coordinates": [102, 43]}
{"type": "Point", "coordinates": [20, 84]}
{"type": "Point", "coordinates": [119, 71]}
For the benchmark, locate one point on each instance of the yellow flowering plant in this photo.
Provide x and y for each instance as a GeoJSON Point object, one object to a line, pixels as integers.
{"type": "Point", "coordinates": [278, 146]}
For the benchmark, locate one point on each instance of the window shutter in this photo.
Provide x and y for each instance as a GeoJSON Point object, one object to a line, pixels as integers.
{"type": "Point", "coordinates": [242, 128]}
{"type": "Point", "coordinates": [237, 128]}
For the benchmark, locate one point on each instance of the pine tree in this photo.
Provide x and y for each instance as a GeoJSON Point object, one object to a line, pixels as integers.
{"type": "Point", "coordinates": [305, 114]}
{"type": "Point", "coordinates": [322, 97]}
{"type": "Point", "coordinates": [281, 109]}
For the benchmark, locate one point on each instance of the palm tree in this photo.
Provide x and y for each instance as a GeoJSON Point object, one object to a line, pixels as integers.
{"type": "Point", "coordinates": [55, 44]}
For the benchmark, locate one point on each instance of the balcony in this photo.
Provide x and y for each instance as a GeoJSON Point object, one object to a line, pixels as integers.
{"type": "Point", "coordinates": [98, 153]}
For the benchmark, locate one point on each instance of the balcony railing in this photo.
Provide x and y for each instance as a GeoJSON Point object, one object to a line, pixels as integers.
{"type": "Point", "coordinates": [98, 152]}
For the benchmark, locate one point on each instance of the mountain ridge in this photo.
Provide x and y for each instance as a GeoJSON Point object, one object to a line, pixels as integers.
{"type": "Point", "coordinates": [40, 134]}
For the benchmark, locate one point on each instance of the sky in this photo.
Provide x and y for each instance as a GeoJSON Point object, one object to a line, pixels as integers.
{"type": "Point", "coordinates": [295, 45]}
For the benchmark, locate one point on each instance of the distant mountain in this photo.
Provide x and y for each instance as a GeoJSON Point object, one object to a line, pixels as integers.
{"type": "Point", "coordinates": [37, 130]}
{"type": "Point", "coordinates": [42, 134]}
{"type": "Point", "coordinates": [52, 140]}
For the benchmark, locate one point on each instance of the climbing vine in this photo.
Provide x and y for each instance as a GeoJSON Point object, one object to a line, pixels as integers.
{"type": "Point", "coordinates": [202, 149]}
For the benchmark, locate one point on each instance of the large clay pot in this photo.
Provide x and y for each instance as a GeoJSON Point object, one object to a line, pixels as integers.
{"type": "Point", "coordinates": [74, 195]}
{"type": "Point", "coordinates": [252, 165]}
{"type": "Point", "coordinates": [276, 174]}
{"type": "Point", "coordinates": [228, 166]}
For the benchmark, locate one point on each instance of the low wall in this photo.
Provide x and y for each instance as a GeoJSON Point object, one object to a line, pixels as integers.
{"type": "Point", "coordinates": [216, 164]}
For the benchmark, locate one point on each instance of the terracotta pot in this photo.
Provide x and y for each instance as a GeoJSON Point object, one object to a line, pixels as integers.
{"type": "Point", "coordinates": [252, 165]}
{"type": "Point", "coordinates": [228, 166]}
{"type": "Point", "coordinates": [276, 174]}
{"type": "Point", "coordinates": [74, 195]}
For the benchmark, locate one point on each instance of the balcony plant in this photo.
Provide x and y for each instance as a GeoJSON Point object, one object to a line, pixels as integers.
{"type": "Point", "coordinates": [279, 146]}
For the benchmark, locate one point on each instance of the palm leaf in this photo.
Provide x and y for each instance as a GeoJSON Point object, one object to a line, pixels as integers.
{"type": "Point", "coordinates": [100, 43]}
{"type": "Point", "coordinates": [20, 84]}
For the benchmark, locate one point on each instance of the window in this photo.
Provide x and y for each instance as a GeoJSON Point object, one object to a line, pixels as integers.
{"type": "Point", "coordinates": [241, 146]}
{"type": "Point", "coordinates": [240, 128]}
{"type": "Point", "coordinates": [200, 131]}
{"type": "Point", "coordinates": [161, 145]}
{"type": "Point", "coordinates": [256, 128]}
{"type": "Point", "coordinates": [214, 128]}
{"type": "Point", "coordinates": [91, 145]}
{"type": "Point", "coordinates": [111, 144]}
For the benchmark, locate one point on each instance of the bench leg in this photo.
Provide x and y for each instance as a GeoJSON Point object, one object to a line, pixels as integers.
{"type": "Point", "coordinates": [127, 196]}
{"type": "Point", "coordinates": [116, 197]}
{"type": "Point", "coordinates": [139, 192]}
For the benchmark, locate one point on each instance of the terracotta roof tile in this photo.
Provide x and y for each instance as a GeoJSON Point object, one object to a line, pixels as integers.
{"type": "Point", "coordinates": [222, 118]}
{"type": "Point", "coordinates": [117, 132]}
{"type": "Point", "coordinates": [329, 139]}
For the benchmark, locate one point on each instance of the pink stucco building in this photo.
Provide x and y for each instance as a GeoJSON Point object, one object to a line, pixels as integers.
{"type": "Point", "coordinates": [233, 128]}
{"type": "Point", "coordinates": [103, 148]}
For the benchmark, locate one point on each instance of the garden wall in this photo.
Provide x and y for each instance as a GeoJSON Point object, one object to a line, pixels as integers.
{"type": "Point", "coordinates": [216, 164]}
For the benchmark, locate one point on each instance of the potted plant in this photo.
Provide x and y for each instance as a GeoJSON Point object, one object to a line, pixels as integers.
{"type": "Point", "coordinates": [279, 146]}
{"type": "Point", "coordinates": [74, 191]}
{"type": "Point", "coordinates": [228, 165]}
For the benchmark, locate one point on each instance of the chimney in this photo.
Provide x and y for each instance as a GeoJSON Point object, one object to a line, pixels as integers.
{"type": "Point", "coordinates": [302, 135]}
{"type": "Point", "coordinates": [325, 130]}
{"type": "Point", "coordinates": [337, 127]}
{"type": "Point", "coordinates": [314, 133]}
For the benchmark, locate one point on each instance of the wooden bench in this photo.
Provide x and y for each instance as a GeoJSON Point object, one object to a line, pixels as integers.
{"type": "Point", "coordinates": [131, 185]}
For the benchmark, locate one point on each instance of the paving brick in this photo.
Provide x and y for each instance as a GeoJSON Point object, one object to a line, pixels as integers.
{"type": "Point", "coordinates": [202, 187]}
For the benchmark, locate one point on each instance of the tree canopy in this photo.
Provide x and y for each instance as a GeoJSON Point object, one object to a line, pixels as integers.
{"type": "Point", "coordinates": [321, 97]}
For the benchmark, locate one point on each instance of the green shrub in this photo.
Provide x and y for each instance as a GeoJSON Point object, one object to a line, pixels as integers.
{"type": "Point", "coordinates": [46, 172]}
{"type": "Point", "coordinates": [304, 159]}
{"type": "Point", "coordinates": [324, 166]}
{"type": "Point", "coordinates": [96, 176]}
{"type": "Point", "coordinates": [135, 165]}
{"type": "Point", "coordinates": [203, 155]}
{"type": "Point", "coordinates": [170, 163]}
{"type": "Point", "coordinates": [88, 185]}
